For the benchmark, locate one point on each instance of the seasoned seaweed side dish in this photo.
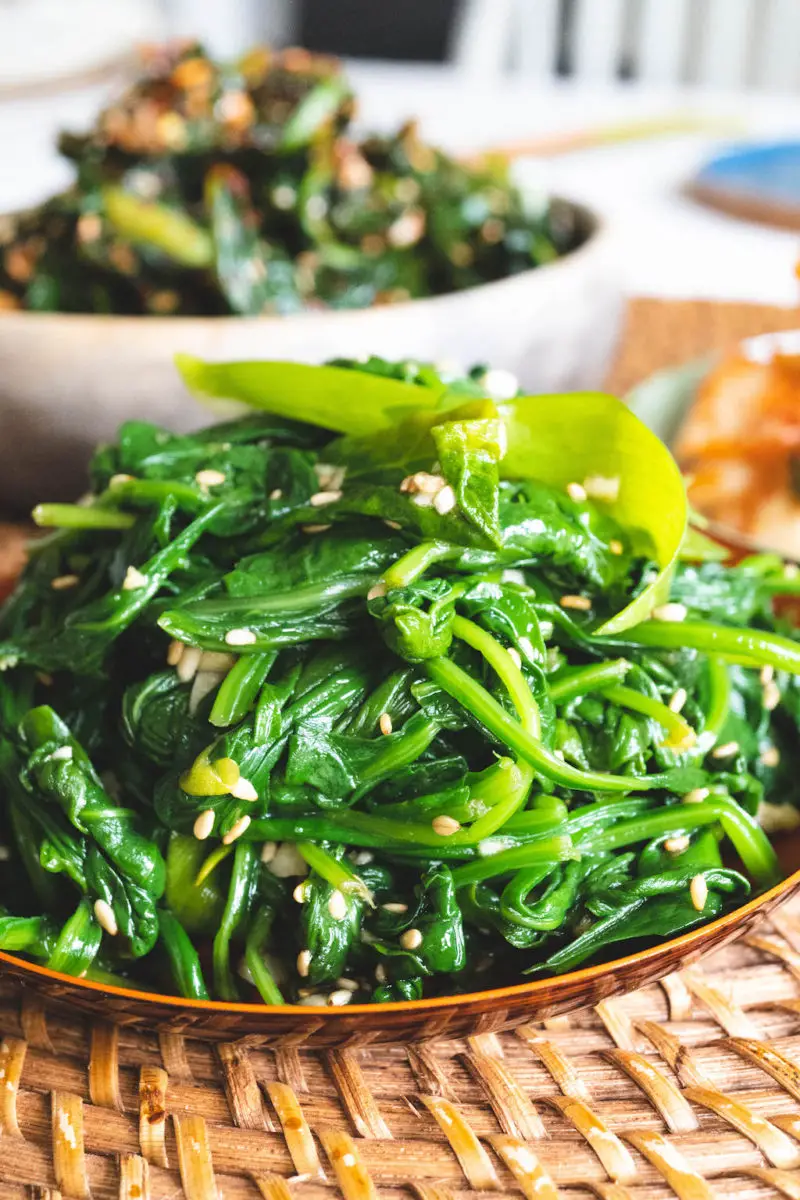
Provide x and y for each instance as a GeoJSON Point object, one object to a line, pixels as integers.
{"type": "Point", "coordinates": [211, 189]}
{"type": "Point", "coordinates": [386, 690]}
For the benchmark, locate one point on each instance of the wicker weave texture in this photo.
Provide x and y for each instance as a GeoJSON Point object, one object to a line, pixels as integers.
{"type": "Point", "coordinates": [690, 1087]}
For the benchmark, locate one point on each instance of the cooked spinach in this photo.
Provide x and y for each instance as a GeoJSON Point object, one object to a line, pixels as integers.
{"type": "Point", "coordinates": [337, 702]}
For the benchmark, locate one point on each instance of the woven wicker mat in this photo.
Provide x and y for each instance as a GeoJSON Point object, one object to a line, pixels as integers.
{"type": "Point", "coordinates": [690, 1087]}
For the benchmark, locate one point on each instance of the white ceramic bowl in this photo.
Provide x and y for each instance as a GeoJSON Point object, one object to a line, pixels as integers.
{"type": "Point", "coordinates": [68, 380]}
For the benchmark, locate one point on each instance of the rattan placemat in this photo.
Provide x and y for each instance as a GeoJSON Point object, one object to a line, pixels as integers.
{"type": "Point", "coordinates": [690, 1087]}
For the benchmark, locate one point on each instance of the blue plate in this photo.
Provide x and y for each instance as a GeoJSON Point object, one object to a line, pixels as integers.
{"type": "Point", "coordinates": [759, 181]}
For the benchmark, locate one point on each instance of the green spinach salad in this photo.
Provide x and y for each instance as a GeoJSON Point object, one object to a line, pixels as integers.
{"type": "Point", "coordinates": [386, 690]}
{"type": "Point", "coordinates": [243, 188]}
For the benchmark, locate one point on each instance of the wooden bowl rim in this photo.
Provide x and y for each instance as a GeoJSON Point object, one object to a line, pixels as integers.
{"type": "Point", "coordinates": [419, 1008]}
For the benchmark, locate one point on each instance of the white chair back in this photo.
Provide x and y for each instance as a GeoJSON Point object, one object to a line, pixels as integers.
{"type": "Point", "coordinates": [716, 43]}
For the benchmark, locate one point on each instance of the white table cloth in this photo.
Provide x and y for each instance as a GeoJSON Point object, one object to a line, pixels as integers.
{"type": "Point", "coordinates": [669, 245]}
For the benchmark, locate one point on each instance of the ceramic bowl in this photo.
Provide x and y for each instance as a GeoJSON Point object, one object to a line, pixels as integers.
{"type": "Point", "coordinates": [68, 380]}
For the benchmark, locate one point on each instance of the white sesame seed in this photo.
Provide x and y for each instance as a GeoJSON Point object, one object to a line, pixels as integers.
{"type": "Point", "coordinates": [445, 826]}
{"type": "Point", "coordinates": [362, 858]}
{"type": "Point", "coordinates": [581, 603]}
{"type": "Point", "coordinates": [268, 851]}
{"type": "Point", "coordinates": [243, 789]}
{"type": "Point", "coordinates": [615, 546]}
{"type": "Point", "coordinates": [188, 664]}
{"type": "Point", "coordinates": [673, 612]}
{"type": "Point", "coordinates": [392, 524]}
{"type": "Point", "coordinates": [303, 963]}
{"type": "Point", "coordinates": [395, 907]}
{"type": "Point", "coordinates": [411, 939]}
{"type": "Point", "coordinates": [175, 652]}
{"type": "Point", "coordinates": [62, 582]}
{"type": "Point", "coordinates": [337, 905]}
{"type": "Point", "coordinates": [376, 591]}
{"type": "Point", "coordinates": [204, 824]}
{"type": "Point", "coordinates": [385, 724]}
{"type": "Point", "coordinates": [340, 997]}
{"type": "Point", "coordinates": [61, 753]}
{"type": "Point", "coordinates": [236, 830]}
{"type": "Point", "coordinates": [210, 477]}
{"type": "Point", "coordinates": [766, 674]}
{"type": "Point", "coordinates": [241, 637]}
{"type": "Point", "coordinates": [276, 494]}
{"type": "Point", "coordinates": [772, 695]}
{"type": "Point", "coordinates": [677, 700]}
{"type": "Point", "coordinates": [348, 985]}
{"type": "Point", "coordinates": [380, 973]}
{"type": "Point", "coordinates": [105, 917]}
{"type": "Point", "coordinates": [697, 795]}
{"type": "Point", "coordinates": [698, 890]}
{"type": "Point", "coordinates": [515, 656]}
{"type": "Point", "coordinates": [576, 492]}
{"type": "Point", "coordinates": [118, 480]}
{"type": "Point", "coordinates": [602, 487]}
{"type": "Point", "coordinates": [726, 750]}
{"type": "Point", "coordinates": [319, 499]}
{"type": "Point", "coordinates": [422, 500]}
{"type": "Point", "coordinates": [770, 757]}
{"type": "Point", "coordinates": [134, 579]}
{"type": "Point", "coordinates": [445, 500]}
{"type": "Point", "coordinates": [315, 528]}
{"type": "Point", "coordinates": [300, 892]}
{"type": "Point", "coordinates": [676, 845]}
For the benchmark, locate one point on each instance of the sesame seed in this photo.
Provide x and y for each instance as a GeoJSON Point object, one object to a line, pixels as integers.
{"type": "Point", "coordinates": [411, 939]}
{"type": "Point", "coordinates": [385, 724]}
{"type": "Point", "coordinates": [772, 695]}
{"type": "Point", "coordinates": [615, 546]}
{"type": "Point", "coordinates": [698, 890]}
{"type": "Point", "coordinates": [204, 825]}
{"type": "Point", "coordinates": [380, 973]}
{"type": "Point", "coordinates": [210, 477]}
{"type": "Point", "coordinates": [236, 830]}
{"type": "Point", "coordinates": [670, 612]}
{"type": "Point", "coordinates": [766, 674]}
{"type": "Point", "coordinates": [276, 494]}
{"type": "Point", "coordinates": [188, 664]}
{"type": "Point", "coordinates": [392, 524]}
{"type": "Point", "coordinates": [676, 845]}
{"type": "Point", "coordinates": [581, 603]}
{"type": "Point", "coordinates": [677, 700]}
{"type": "Point", "coordinates": [175, 652]}
{"type": "Point", "coordinates": [300, 892]}
{"type": "Point", "coordinates": [61, 754]}
{"type": "Point", "coordinates": [515, 656]}
{"type": "Point", "coordinates": [362, 858]}
{"type": "Point", "coordinates": [576, 492]}
{"type": "Point", "coordinates": [349, 985]}
{"type": "Point", "coordinates": [770, 757]}
{"type": "Point", "coordinates": [445, 500]}
{"type": "Point", "coordinates": [268, 851]}
{"type": "Point", "coordinates": [303, 963]}
{"type": "Point", "coordinates": [422, 500]}
{"type": "Point", "coordinates": [375, 592]}
{"type": "Point", "coordinates": [134, 579]}
{"type": "Point", "coordinates": [337, 905]}
{"type": "Point", "coordinates": [445, 826]}
{"type": "Point", "coordinates": [602, 487]}
{"type": "Point", "coordinates": [697, 795]}
{"type": "Point", "coordinates": [243, 789]}
{"type": "Point", "coordinates": [340, 997]}
{"type": "Point", "coordinates": [726, 750]}
{"type": "Point", "coordinates": [241, 637]}
{"type": "Point", "coordinates": [105, 917]}
{"type": "Point", "coordinates": [315, 528]}
{"type": "Point", "coordinates": [321, 498]}
{"type": "Point", "coordinates": [62, 582]}
{"type": "Point", "coordinates": [395, 907]}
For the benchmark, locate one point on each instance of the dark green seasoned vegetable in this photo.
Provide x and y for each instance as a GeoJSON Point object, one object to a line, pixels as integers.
{"type": "Point", "coordinates": [384, 691]}
{"type": "Point", "coordinates": [214, 188]}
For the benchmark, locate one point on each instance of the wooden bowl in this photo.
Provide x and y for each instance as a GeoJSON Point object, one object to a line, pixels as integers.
{"type": "Point", "coordinates": [67, 381]}
{"type": "Point", "coordinates": [410, 1021]}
